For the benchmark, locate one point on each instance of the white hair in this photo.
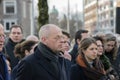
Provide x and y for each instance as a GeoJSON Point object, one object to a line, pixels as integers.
{"type": "Point", "coordinates": [32, 37]}
{"type": "Point", "coordinates": [46, 29]}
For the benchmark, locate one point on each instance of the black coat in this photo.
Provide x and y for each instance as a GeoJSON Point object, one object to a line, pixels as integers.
{"type": "Point", "coordinates": [4, 75]}
{"type": "Point", "coordinates": [117, 63]}
{"type": "Point", "coordinates": [9, 48]}
{"type": "Point", "coordinates": [74, 54]}
{"type": "Point", "coordinates": [42, 65]}
{"type": "Point", "coordinates": [77, 73]}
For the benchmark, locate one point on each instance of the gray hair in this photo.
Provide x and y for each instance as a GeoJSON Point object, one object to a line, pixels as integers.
{"type": "Point", "coordinates": [32, 37]}
{"type": "Point", "coordinates": [45, 30]}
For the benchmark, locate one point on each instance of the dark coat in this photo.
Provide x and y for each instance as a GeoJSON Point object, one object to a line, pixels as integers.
{"type": "Point", "coordinates": [77, 73]}
{"type": "Point", "coordinates": [109, 68]}
{"type": "Point", "coordinates": [110, 56]}
{"type": "Point", "coordinates": [9, 48]}
{"type": "Point", "coordinates": [14, 72]}
{"type": "Point", "coordinates": [117, 63]}
{"type": "Point", "coordinates": [42, 65]}
{"type": "Point", "coordinates": [4, 75]}
{"type": "Point", "coordinates": [68, 67]}
{"type": "Point", "coordinates": [74, 54]}
{"type": "Point", "coordinates": [83, 71]}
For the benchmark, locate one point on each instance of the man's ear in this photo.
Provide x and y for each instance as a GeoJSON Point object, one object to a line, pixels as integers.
{"type": "Point", "coordinates": [26, 52]}
{"type": "Point", "coordinates": [43, 39]}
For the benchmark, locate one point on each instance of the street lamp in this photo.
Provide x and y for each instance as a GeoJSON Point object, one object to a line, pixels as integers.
{"type": "Point", "coordinates": [32, 17]}
{"type": "Point", "coordinates": [68, 14]}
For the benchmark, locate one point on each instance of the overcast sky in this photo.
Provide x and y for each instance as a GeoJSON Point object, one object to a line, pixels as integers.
{"type": "Point", "coordinates": [61, 5]}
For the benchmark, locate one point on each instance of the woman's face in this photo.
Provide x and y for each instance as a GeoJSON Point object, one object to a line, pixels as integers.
{"type": "Point", "coordinates": [109, 46]}
{"type": "Point", "coordinates": [91, 52]}
{"type": "Point", "coordinates": [66, 43]}
{"type": "Point", "coordinates": [100, 47]}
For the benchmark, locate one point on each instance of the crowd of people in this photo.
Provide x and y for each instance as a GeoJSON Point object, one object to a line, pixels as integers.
{"type": "Point", "coordinates": [51, 56]}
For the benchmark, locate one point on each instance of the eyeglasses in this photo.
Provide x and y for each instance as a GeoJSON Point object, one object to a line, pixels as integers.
{"type": "Point", "coordinates": [2, 36]}
{"type": "Point", "coordinates": [58, 37]}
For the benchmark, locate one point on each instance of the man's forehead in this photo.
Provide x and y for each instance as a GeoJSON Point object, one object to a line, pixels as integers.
{"type": "Point", "coordinates": [1, 27]}
{"type": "Point", "coordinates": [16, 29]}
{"type": "Point", "coordinates": [1, 31]}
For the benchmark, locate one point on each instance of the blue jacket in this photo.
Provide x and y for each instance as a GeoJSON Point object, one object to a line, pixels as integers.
{"type": "Point", "coordinates": [4, 75]}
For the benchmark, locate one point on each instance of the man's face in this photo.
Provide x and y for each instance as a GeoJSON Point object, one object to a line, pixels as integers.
{"type": "Point", "coordinates": [16, 35]}
{"type": "Point", "coordinates": [66, 43]}
{"type": "Point", "coordinates": [54, 40]}
{"type": "Point", "coordinates": [84, 35]}
{"type": "Point", "coordinates": [2, 38]}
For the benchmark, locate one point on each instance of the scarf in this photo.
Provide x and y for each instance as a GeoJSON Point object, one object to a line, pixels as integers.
{"type": "Point", "coordinates": [94, 73]}
{"type": "Point", "coordinates": [56, 60]}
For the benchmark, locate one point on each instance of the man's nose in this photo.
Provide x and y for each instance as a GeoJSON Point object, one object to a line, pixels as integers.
{"type": "Point", "coordinates": [2, 39]}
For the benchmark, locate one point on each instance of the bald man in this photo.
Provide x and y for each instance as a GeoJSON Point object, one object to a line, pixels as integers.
{"type": "Point", "coordinates": [4, 75]}
{"type": "Point", "coordinates": [45, 63]}
{"type": "Point", "coordinates": [32, 38]}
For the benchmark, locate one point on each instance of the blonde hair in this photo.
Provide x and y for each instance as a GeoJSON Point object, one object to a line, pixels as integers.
{"type": "Point", "coordinates": [111, 37]}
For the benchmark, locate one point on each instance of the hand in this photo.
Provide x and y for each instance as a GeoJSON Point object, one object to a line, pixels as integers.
{"type": "Point", "coordinates": [67, 55]}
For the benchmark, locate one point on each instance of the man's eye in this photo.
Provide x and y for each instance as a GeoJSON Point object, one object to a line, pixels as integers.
{"type": "Point", "coordinates": [2, 36]}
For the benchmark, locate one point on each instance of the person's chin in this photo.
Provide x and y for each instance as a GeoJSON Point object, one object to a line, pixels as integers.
{"type": "Point", "coordinates": [16, 41]}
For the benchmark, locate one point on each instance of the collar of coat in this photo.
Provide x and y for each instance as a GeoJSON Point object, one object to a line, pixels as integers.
{"type": "Point", "coordinates": [47, 52]}
{"type": "Point", "coordinates": [96, 71]}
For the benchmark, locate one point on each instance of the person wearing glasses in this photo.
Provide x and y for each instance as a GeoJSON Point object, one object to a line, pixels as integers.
{"type": "Point", "coordinates": [111, 74]}
{"type": "Point", "coordinates": [4, 73]}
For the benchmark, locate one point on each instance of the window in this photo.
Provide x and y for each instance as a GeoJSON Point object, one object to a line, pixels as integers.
{"type": "Point", "coordinates": [9, 7]}
{"type": "Point", "coordinates": [111, 13]}
{"type": "Point", "coordinates": [8, 24]}
{"type": "Point", "coordinates": [24, 9]}
{"type": "Point", "coordinates": [112, 22]}
{"type": "Point", "coordinates": [111, 3]}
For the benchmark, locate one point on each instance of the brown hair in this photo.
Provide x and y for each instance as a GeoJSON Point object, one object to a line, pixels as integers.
{"type": "Point", "coordinates": [16, 26]}
{"type": "Point", "coordinates": [20, 48]}
{"type": "Point", "coordinates": [85, 43]}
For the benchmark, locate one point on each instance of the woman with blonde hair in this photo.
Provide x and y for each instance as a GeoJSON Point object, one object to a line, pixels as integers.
{"type": "Point", "coordinates": [111, 47]}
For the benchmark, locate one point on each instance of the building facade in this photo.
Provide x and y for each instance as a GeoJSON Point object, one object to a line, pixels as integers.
{"type": "Point", "coordinates": [90, 15]}
{"type": "Point", "coordinates": [16, 12]}
{"type": "Point", "coordinates": [104, 12]}
{"type": "Point", "coordinates": [106, 16]}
